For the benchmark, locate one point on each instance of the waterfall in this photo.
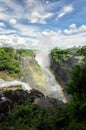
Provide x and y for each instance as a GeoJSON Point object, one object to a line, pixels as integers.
{"type": "Point", "coordinates": [53, 87]}
{"type": "Point", "coordinates": [24, 86]}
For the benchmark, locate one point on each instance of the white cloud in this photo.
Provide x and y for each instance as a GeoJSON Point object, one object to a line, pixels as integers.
{"type": "Point", "coordinates": [6, 31]}
{"type": "Point", "coordinates": [32, 10]}
{"type": "Point", "coordinates": [16, 10]}
{"type": "Point", "coordinates": [47, 2]}
{"type": "Point", "coordinates": [12, 21]}
{"type": "Point", "coordinates": [66, 31]}
{"type": "Point", "coordinates": [39, 16]}
{"type": "Point", "coordinates": [59, 31]}
{"type": "Point", "coordinates": [56, 39]}
{"type": "Point", "coordinates": [37, 12]}
{"type": "Point", "coordinates": [17, 41]}
{"type": "Point", "coordinates": [3, 16]}
{"type": "Point", "coordinates": [82, 28]}
{"type": "Point", "coordinates": [45, 33]}
{"type": "Point", "coordinates": [73, 29]}
{"type": "Point", "coordinates": [28, 30]}
{"type": "Point", "coordinates": [21, 29]}
{"type": "Point", "coordinates": [2, 24]}
{"type": "Point", "coordinates": [47, 38]}
{"type": "Point", "coordinates": [75, 36]}
{"type": "Point", "coordinates": [65, 10]}
{"type": "Point", "coordinates": [72, 26]}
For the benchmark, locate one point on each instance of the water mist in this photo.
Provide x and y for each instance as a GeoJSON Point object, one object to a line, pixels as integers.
{"type": "Point", "coordinates": [52, 87]}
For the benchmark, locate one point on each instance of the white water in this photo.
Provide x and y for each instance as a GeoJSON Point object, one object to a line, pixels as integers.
{"type": "Point", "coordinates": [55, 90]}
{"type": "Point", "coordinates": [24, 86]}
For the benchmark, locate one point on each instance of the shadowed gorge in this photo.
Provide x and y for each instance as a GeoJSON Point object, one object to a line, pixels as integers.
{"type": "Point", "coordinates": [30, 93]}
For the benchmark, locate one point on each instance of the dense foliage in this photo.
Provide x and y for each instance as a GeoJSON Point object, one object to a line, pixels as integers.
{"type": "Point", "coordinates": [77, 88]}
{"type": "Point", "coordinates": [62, 61]}
{"type": "Point", "coordinates": [24, 53]}
{"type": "Point", "coordinates": [71, 116]}
{"type": "Point", "coordinates": [9, 62]}
{"type": "Point", "coordinates": [82, 52]}
{"type": "Point", "coordinates": [58, 54]}
{"type": "Point", "coordinates": [28, 116]}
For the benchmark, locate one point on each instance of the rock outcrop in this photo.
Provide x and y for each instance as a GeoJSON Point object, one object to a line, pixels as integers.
{"type": "Point", "coordinates": [8, 98]}
{"type": "Point", "coordinates": [63, 69]}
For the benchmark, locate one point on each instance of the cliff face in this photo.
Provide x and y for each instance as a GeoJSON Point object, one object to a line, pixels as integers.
{"type": "Point", "coordinates": [21, 65]}
{"type": "Point", "coordinates": [62, 62]}
{"type": "Point", "coordinates": [32, 73]}
{"type": "Point", "coordinates": [63, 69]}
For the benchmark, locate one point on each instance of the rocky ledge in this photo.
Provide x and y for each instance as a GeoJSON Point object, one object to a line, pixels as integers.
{"type": "Point", "coordinates": [11, 96]}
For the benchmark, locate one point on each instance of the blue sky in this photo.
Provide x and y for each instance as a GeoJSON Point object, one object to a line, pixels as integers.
{"type": "Point", "coordinates": [35, 23]}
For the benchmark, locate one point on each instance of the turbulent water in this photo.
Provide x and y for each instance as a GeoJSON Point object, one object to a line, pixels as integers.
{"type": "Point", "coordinates": [53, 88]}
{"type": "Point", "coordinates": [23, 85]}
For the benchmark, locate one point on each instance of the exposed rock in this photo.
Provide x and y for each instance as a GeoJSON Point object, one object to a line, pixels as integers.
{"type": "Point", "coordinates": [9, 98]}
{"type": "Point", "coordinates": [32, 73]}
{"type": "Point", "coordinates": [62, 72]}
{"type": "Point", "coordinates": [35, 94]}
{"type": "Point", "coordinates": [4, 105]}
{"type": "Point", "coordinates": [48, 103]}
{"type": "Point", "coordinates": [2, 117]}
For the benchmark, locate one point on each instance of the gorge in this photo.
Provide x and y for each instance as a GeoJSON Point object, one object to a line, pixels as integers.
{"type": "Point", "coordinates": [53, 87]}
{"type": "Point", "coordinates": [40, 72]}
{"type": "Point", "coordinates": [30, 93]}
{"type": "Point", "coordinates": [36, 75]}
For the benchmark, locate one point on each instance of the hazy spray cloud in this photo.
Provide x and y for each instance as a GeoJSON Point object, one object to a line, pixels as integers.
{"type": "Point", "coordinates": [42, 55]}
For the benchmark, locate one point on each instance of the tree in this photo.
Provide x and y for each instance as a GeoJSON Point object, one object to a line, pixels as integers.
{"type": "Point", "coordinates": [77, 85]}
{"type": "Point", "coordinates": [77, 88]}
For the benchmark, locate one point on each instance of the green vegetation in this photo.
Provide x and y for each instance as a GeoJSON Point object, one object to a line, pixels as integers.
{"type": "Point", "coordinates": [77, 88]}
{"type": "Point", "coordinates": [62, 54]}
{"type": "Point", "coordinates": [58, 54]}
{"type": "Point", "coordinates": [24, 53]}
{"type": "Point", "coordinates": [9, 62]}
{"type": "Point", "coordinates": [28, 116]}
{"type": "Point", "coordinates": [62, 61]}
{"type": "Point", "coordinates": [82, 52]}
{"type": "Point", "coordinates": [70, 116]}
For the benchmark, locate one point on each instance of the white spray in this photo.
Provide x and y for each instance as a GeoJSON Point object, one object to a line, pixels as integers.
{"type": "Point", "coordinates": [42, 57]}
{"type": "Point", "coordinates": [24, 86]}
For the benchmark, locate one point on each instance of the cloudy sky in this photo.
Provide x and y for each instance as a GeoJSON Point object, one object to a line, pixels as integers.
{"type": "Point", "coordinates": [35, 23]}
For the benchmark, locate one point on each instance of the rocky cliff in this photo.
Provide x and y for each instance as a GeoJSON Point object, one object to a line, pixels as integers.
{"type": "Point", "coordinates": [62, 62]}
{"type": "Point", "coordinates": [33, 74]}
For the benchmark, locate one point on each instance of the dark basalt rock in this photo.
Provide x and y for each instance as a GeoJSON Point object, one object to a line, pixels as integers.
{"type": "Point", "coordinates": [63, 69]}
{"type": "Point", "coordinates": [9, 98]}
{"type": "Point", "coordinates": [5, 106]}
{"type": "Point", "coordinates": [35, 94]}
{"type": "Point", "coordinates": [48, 103]}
